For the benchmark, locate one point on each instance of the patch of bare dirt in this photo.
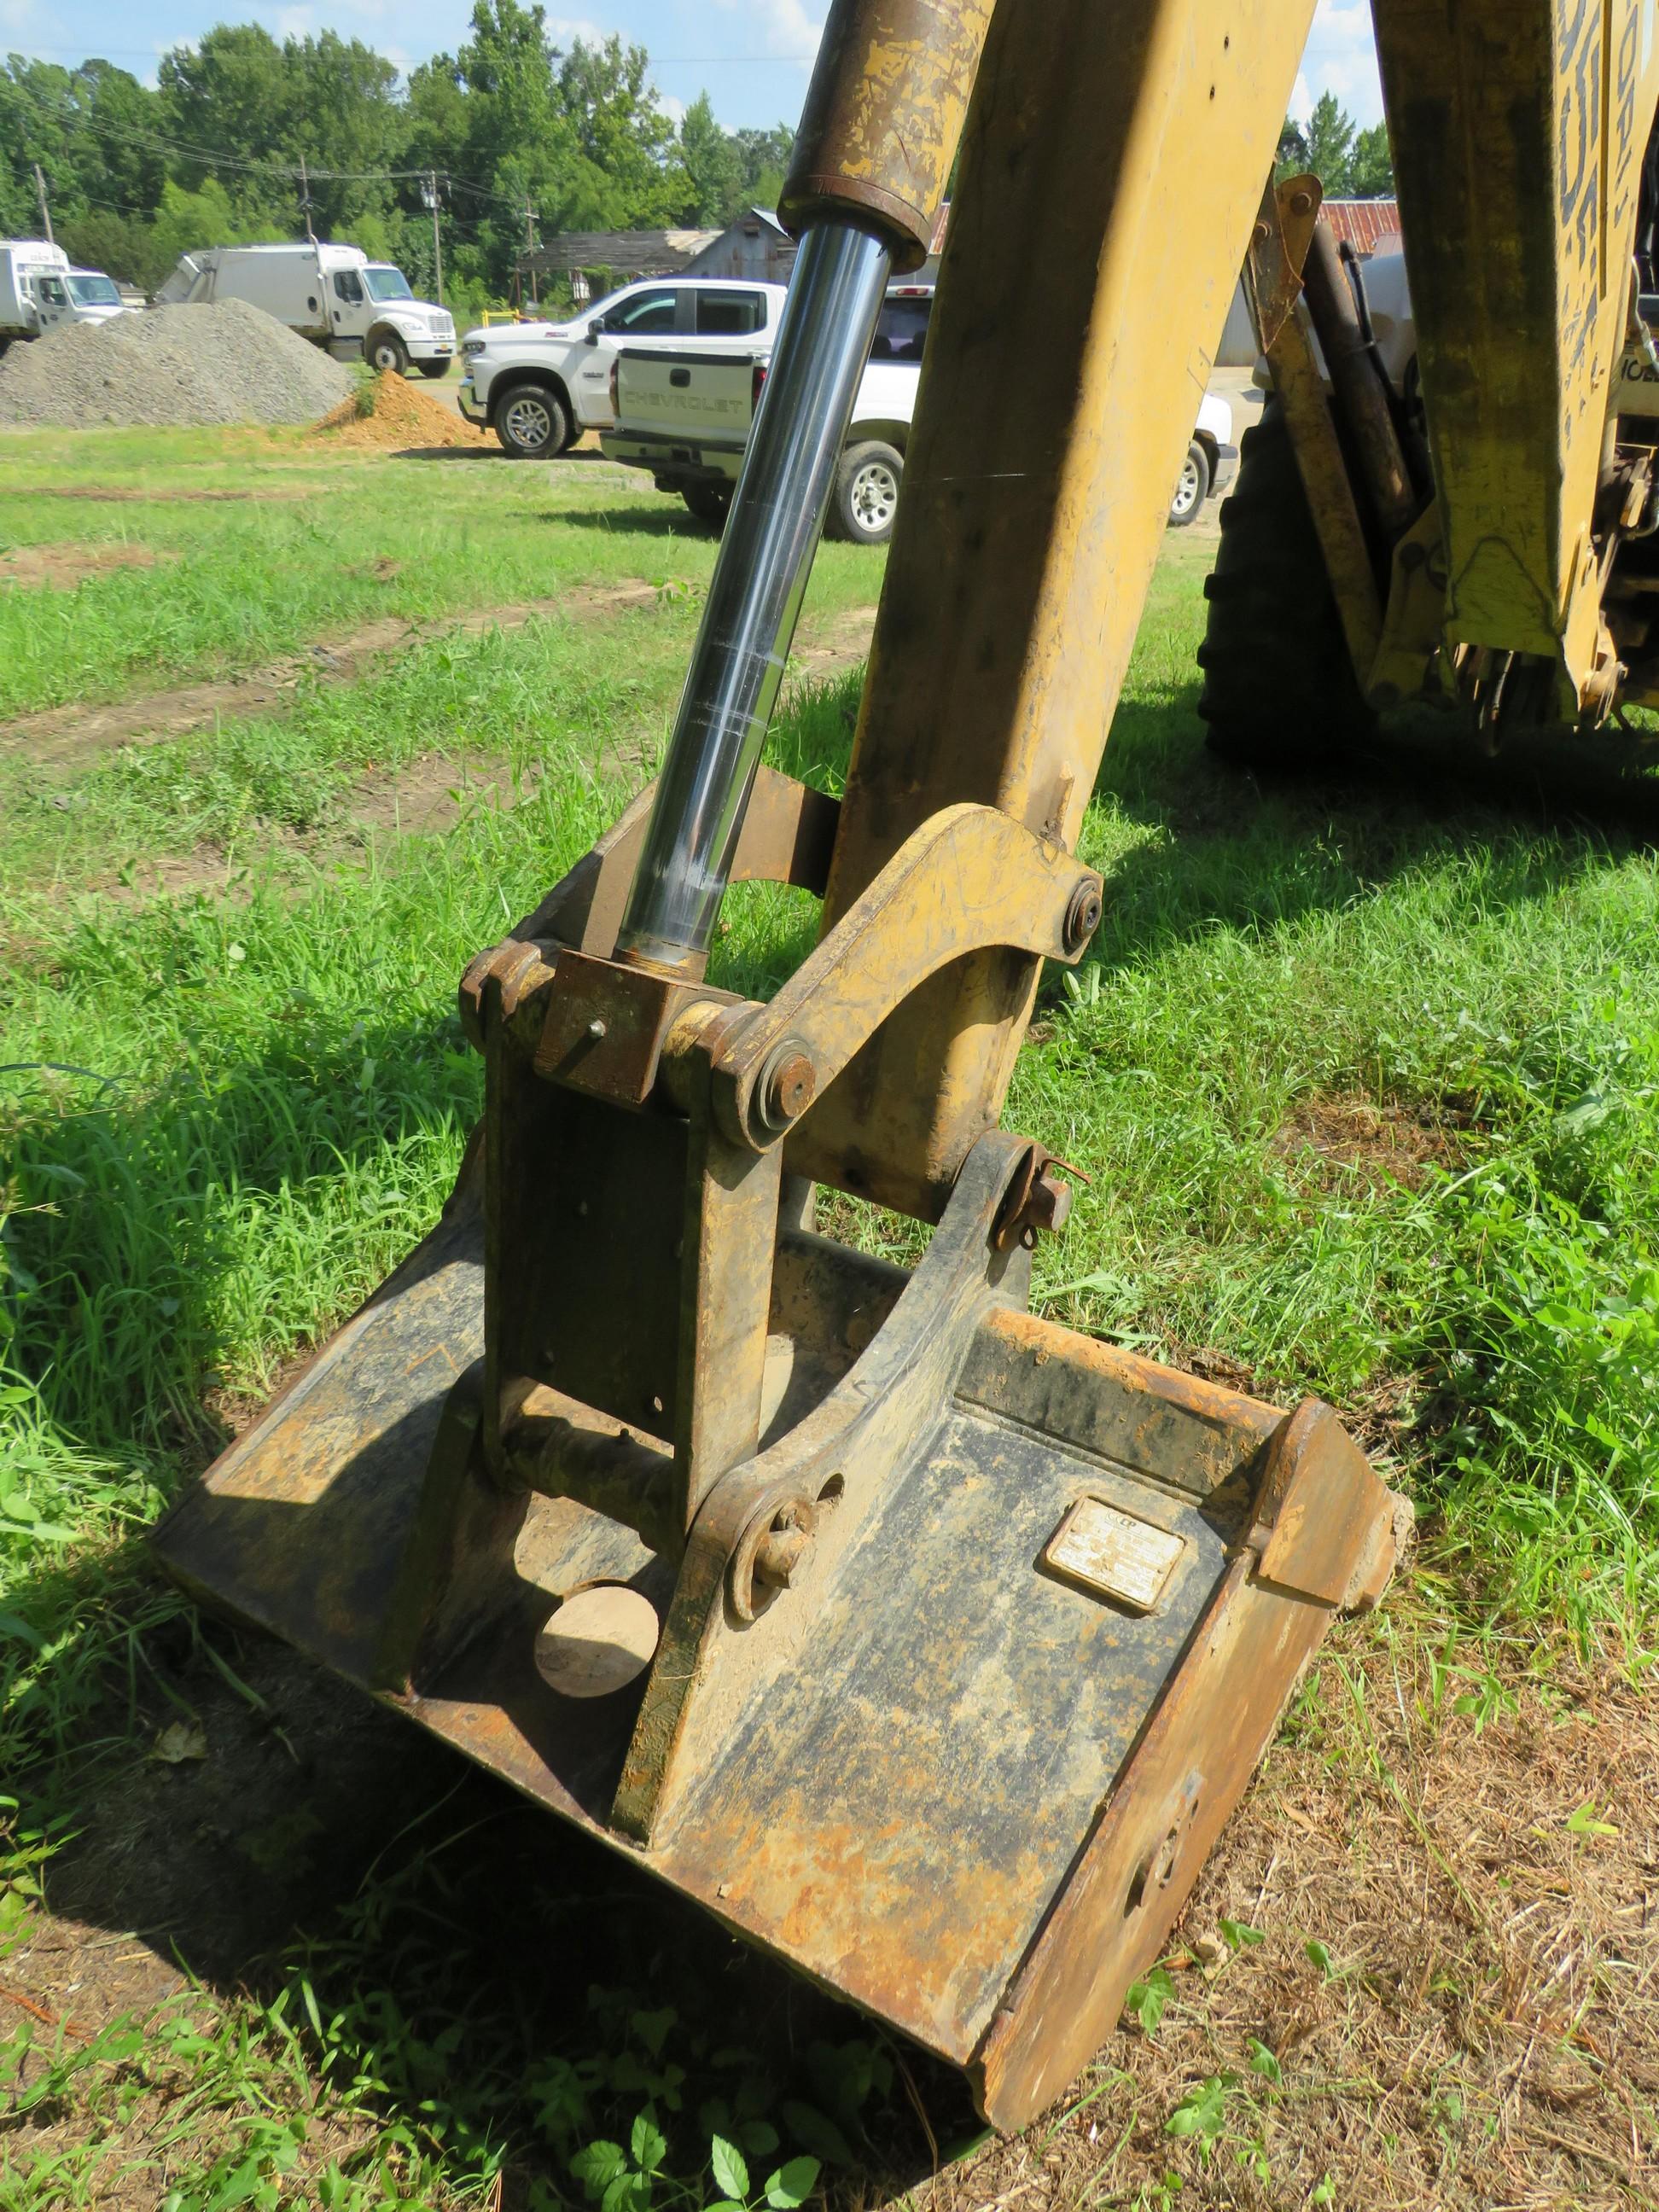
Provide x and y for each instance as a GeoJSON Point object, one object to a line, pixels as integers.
{"type": "Point", "coordinates": [1355, 1137]}
{"type": "Point", "coordinates": [59, 735]}
{"type": "Point", "coordinates": [125, 495]}
{"type": "Point", "coordinates": [841, 643]}
{"type": "Point", "coordinates": [60, 566]}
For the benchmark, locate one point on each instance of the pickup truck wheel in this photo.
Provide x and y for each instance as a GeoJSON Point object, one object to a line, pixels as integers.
{"type": "Point", "coordinates": [866, 493]}
{"type": "Point", "coordinates": [383, 349]}
{"type": "Point", "coordinates": [1279, 690]}
{"type": "Point", "coordinates": [710, 503]}
{"type": "Point", "coordinates": [530, 422]}
{"type": "Point", "coordinates": [432, 370]}
{"type": "Point", "coordinates": [1192, 487]}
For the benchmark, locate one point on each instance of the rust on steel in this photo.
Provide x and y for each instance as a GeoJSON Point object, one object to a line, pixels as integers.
{"type": "Point", "coordinates": [883, 116]}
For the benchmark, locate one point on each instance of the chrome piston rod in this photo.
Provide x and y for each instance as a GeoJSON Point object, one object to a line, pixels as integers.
{"type": "Point", "coordinates": [760, 578]}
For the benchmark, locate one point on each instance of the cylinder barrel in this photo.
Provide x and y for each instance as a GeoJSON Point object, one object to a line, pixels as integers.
{"type": "Point", "coordinates": [760, 578]}
{"type": "Point", "coordinates": [883, 112]}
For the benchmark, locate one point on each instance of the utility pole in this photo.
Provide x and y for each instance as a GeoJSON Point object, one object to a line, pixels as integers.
{"type": "Point", "coordinates": [430, 194]}
{"type": "Point", "coordinates": [45, 212]}
{"type": "Point", "coordinates": [305, 200]}
{"type": "Point", "coordinates": [529, 251]}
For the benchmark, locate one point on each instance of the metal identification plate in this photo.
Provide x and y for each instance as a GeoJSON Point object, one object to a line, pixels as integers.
{"type": "Point", "coordinates": [1111, 1554]}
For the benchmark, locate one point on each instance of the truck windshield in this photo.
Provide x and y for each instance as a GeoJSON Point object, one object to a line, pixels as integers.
{"type": "Point", "coordinates": [902, 326]}
{"type": "Point", "coordinates": [381, 283]}
{"type": "Point", "coordinates": [93, 291]}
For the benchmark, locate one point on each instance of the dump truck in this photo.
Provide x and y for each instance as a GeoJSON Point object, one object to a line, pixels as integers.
{"type": "Point", "coordinates": [334, 296]}
{"type": "Point", "coordinates": [922, 1641]}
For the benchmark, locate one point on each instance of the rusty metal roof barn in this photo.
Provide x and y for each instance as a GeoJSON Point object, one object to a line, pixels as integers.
{"type": "Point", "coordinates": [1363, 224]}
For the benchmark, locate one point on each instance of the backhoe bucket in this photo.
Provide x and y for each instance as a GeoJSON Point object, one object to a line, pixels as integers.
{"type": "Point", "coordinates": [966, 1754]}
{"type": "Point", "coordinates": [925, 1643]}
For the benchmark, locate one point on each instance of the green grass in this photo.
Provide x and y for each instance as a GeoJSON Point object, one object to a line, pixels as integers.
{"type": "Point", "coordinates": [298, 562]}
{"type": "Point", "coordinates": [224, 1118]}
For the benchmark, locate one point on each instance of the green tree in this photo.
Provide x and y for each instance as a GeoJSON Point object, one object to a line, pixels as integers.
{"type": "Point", "coordinates": [622, 133]}
{"type": "Point", "coordinates": [1292, 159]}
{"type": "Point", "coordinates": [1371, 172]}
{"type": "Point", "coordinates": [1330, 137]}
{"type": "Point", "coordinates": [229, 107]}
{"type": "Point", "coordinates": [713, 166]}
{"type": "Point", "coordinates": [764, 156]}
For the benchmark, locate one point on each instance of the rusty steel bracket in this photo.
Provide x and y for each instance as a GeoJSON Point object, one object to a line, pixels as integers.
{"type": "Point", "coordinates": [970, 879]}
{"type": "Point", "coordinates": [788, 833]}
{"type": "Point", "coordinates": [1278, 250]}
{"type": "Point", "coordinates": [606, 1026]}
{"type": "Point", "coordinates": [1278, 253]}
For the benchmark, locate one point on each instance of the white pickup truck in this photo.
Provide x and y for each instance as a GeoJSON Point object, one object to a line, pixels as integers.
{"type": "Point", "coordinates": [539, 385]}
{"type": "Point", "coordinates": [685, 413]}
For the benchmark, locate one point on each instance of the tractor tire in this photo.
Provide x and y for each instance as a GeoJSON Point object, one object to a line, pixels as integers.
{"type": "Point", "coordinates": [530, 422]}
{"type": "Point", "coordinates": [1280, 694]}
{"type": "Point", "coordinates": [432, 370]}
{"type": "Point", "coordinates": [383, 349]}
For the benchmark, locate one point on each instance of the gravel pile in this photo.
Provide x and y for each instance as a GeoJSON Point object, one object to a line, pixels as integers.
{"type": "Point", "coordinates": [228, 362]}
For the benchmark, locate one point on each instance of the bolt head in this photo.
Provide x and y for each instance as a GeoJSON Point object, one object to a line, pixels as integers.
{"type": "Point", "coordinates": [596, 1029]}
{"type": "Point", "coordinates": [791, 1089]}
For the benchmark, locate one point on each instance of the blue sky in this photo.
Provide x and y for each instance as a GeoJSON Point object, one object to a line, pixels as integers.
{"type": "Point", "coordinates": [751, 56]}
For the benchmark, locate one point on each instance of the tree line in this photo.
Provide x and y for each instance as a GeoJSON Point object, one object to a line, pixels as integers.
{"type": "Point", "coordinates": [244, 139]}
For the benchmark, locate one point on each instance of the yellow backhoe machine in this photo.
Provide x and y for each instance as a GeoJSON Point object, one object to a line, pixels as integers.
{"type": "Point", "coordinates": [923, 1642]}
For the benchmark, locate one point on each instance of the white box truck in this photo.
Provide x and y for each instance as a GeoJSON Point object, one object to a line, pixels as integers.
{"type": "Point", "coordinates": [334, 296]}
{"type": "Point", "coordinates": [39, 290]}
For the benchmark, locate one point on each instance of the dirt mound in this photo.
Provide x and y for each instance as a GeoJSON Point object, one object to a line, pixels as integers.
{"type": "Point", "coordinates": [171, 366]}
{"type": "Point", "coordinates": [398, 414]}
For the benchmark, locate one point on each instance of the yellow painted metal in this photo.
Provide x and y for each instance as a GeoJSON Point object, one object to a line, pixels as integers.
{"type": "Point", "coordinates": [883, 116]}
{"type": "Point", "coordinates": [1519, 128]}
{"type": "Point", "coordinates": [1110, 174]}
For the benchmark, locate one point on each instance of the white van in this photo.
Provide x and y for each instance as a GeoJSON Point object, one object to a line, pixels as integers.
{"type": "Point", "coordinates": [39, 291]}
{"type": "Point", "coordinates": [334, 296]}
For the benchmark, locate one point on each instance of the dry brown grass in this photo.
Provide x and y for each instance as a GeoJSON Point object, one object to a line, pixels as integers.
{"type": "Point", "coordinates": [1478, 1853]}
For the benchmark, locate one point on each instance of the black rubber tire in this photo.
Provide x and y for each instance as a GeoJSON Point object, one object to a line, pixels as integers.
{"type": "Point", "coordinates": [383, 349]}
{"type": "Point", "coordinates": [432, 370]}
{"type": "Point", "coordinates": [530, 422]}
{"type": "Point", "coordinates": [1193, 489]}
{"type": "Point", "coordinates": [864, 502]}
{"type": "Point", "coordinates": [1279, 691]}
{"type": "Point", "coordinates": [707, 502]}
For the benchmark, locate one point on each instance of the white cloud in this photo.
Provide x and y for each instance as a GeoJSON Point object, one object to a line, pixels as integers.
{"type": "Point", "coordinates": [16, 14]}
{"type": "Point", "coordinates": [783, 27]}
{"type": "Point", "coordinates": [563, 29]}
{"type": "Point", "coordinates": [672, 108]}
{"type": "Point", "coordinates": [295, 22]}
{"type": "Point", "coordinates": [1340, 57]}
